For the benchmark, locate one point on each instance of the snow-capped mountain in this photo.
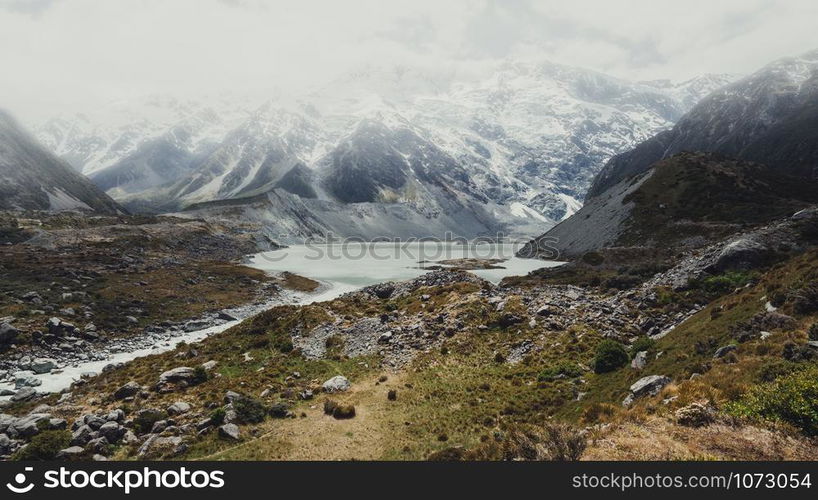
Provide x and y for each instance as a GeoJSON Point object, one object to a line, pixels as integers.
{"type": "Point", "coordinates": [32, 178]}
{"type": "Point", "coordinates": [524, 142]}
{"type": "Point", "coordinates": [769, 117]}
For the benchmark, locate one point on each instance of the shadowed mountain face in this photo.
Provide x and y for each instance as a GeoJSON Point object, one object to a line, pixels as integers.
{"type": "Point", "coordinates": [31, 178]}
{"type": "Point", "coordinates": [770, 117]}
{"type": "Point", "coordinates": [527, 138]}
{"type": "Point", "coordinates": [682, 202]}
{"type": "Point", "coordinates": [380, 164]}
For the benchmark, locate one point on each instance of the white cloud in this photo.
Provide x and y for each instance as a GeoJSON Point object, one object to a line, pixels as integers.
{"type": "Point", "coordinates": [65, 54]}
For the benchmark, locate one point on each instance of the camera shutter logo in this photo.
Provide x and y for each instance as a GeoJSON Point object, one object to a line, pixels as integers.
{"type": "Point", "coordinates": [20, 479]}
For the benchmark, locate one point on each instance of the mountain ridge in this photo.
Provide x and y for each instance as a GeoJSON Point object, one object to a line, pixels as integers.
{"type": "Point", "coordinates": [32, 178]}
{"type": "Point", "coordinates": [770, 117]}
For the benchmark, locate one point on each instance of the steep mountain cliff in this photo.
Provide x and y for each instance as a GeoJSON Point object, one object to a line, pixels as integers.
{"type": "Point", "coordinates": [31, 178]}
{"type": "Point", "coordinates": [769, 117]}
{"type": "Point", "coordinates": [682, 202]}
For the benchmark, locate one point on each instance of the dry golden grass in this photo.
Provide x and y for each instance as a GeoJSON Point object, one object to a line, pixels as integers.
{"type": "Point", "coordinates": [658, 438]}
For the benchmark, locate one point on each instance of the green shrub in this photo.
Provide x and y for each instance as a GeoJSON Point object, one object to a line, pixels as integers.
{"type": "Point", "coordinates": [217, 416]}
{"type": "Point", "coordinates": [249, 410]}
{"type": "Point", "coordinates": [723, 283]}
{"type": "Point", "coordinates": [610, 356]}
{"type": "Point", "coordinates": [144, 419]}
{"type": "Point", "coordinates": [593, 258]}
{"type": "Point", "coordinates": [805, 300]}
{"type": "Point", "coordinates": [792, 399]}
{"type": "Point", "coordinates": [200, 375]}
{"type": "Point", "coordinates": [643, 343]}
{"type": "Point", "coordinates": [771, 370]}
{"type": "Point", "coordinates": [284, 345]}
{"type": "Point", "coordinates": [44, 446]}
{"type": "Point", "coordinates": [563, 368]}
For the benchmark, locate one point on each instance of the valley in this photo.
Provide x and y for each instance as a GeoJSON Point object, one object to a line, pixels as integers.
{"type": "Point", "coordinates": [410, 274]}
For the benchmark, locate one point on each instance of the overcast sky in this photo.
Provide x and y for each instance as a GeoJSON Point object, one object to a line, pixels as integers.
{"type": "Point", "coordinates": [62, 55]}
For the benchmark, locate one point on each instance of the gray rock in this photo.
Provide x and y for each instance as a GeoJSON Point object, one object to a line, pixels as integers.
{"type": "Point", "coordinates": [43, 365]}
{"type": "Point", "coordinates": [740, 254]}
{"type": "Point", "coordinates": [159, 426]}
{"type": "Point", "coordinates": [8, 334]}
{"type": "Point", "coordinates": [129, 437]}
{"type": "Point", "coordinates": [128, 390]}
{"type": "Point", "coordinates": [6, 445]}
{"type": "Point", "coordinates": [338, 383]}
{"type": "Point", "coordinates": [177, 375]}
{"type": "Point", "coordinates": [646, 386]}
{"type": "Point", "coordinates": [98, 445]}
{"type": "Point", "coordinates": [210, 365]}
{"type": "Point", "coordinates": [93, 421]}
{"type": "Point", "coordinates": [204, 424]}
{"type": "Point", "coordinates": [112, 431]}
{"type": "Point", "coordinates": [81, 436]}
{"type": "Point", "coordinates": [160, 445]}
{"type": "Point", "coordinates": [27, 426]}
{"type": "Point", "coordinates": [227, 316]}
{"type": "Point", "coordinates": [24, 363]}
{"type": "Point", "coordinates": [178, 408]}
{"type": "Point", "coordinates": [26, 380]}
{"type": "Point", "coordinates": [57, 424]}
{"type": "Point", "coordinates": [70, 453]}
{"type": "Point", "coordinates": [24, 394]}
{"type": "Point", "coordinates": [115, 416]}
{"type": "Point", "coordinates": [43, 408]}
{"type": "Point", "coordinates": [723, 351]}
{"type": "Point", "coordinates": [230, 431]}
{"type": "Point", "coordinates": [640, 360]}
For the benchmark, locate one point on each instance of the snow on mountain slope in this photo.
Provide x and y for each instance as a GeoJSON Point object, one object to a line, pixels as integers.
{"type": "Point", "coordinates": [32, 178]}
{"type": "Point", "coordinates": [769, 117]}
{"type": "Point", "coordinates": [527, 139]}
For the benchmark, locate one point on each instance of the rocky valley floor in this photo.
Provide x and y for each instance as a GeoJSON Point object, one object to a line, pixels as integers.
{"type": "Point", "coordinates": [709, 355]}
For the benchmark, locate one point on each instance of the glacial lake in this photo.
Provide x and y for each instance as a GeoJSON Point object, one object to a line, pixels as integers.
{"type": "Point", "coordinates": [349, 266]}
{"type": "Point", "coordinates": [340, 269]}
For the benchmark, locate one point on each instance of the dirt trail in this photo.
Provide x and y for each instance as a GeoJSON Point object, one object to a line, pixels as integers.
{"type": "Point", "coordinates": [322, 437]}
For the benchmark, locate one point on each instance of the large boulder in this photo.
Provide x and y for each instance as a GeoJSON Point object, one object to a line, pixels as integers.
{"type": "Point", "coordinates": [230, 431]}
{"type": "Point", "coordinates": [156, 446]}
{"type": "Point", "coordinates": [8, 334]}
{"type": "Point", "coordinates": [112, 431]}
{"type": "Point", "coordinates": [338, 383]}
{"type": "Point", "coordinates": [60, 328]}
{"type": "Point", "coordinates": [43, 365]}
{"type": "Point", "coordinates": [128, 390]}
{"type": "Point", "coordinates": [24, 394]}
{"type": "Point", "coordinates": [180, 377]}
{"type": "Point", "coordinates": [744, 253]}
{"type": "Point", "coordinates": [178, 408]}
{"type": "Point", "coordinates": [5, 421]}
{"type": "Point", "coordinates": [82, 435]}
{"type": "Point", "coordinates": [25, 427]}
{"type": "Point", "coordinates": [640, 360]}
{"type": "Point", "coordinates": [724, 351]}
{"type": "Point", "coordinates": [180, 374]}
{"type": "Point", "coordinates": [23, 379]}
{"type": "Point", "coordinates": [646, 386]}
{"type": "Point", "coordinates": [71, 453]}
